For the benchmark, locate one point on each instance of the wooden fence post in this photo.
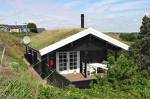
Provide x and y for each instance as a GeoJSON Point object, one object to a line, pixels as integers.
{"type": "Point", "coordinates": [2, 56]}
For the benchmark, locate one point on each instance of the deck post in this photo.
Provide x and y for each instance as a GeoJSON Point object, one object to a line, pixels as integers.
{"type": "Point", "coordinates": [106, 51]}
{"type": "Point", "coordinates": [115, 55]}
{"type": "Point", "coordinates": [85, 70]}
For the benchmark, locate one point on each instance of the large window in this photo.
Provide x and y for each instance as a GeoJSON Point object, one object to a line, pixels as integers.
{"type": "Point", "coordinates": [68, 61]}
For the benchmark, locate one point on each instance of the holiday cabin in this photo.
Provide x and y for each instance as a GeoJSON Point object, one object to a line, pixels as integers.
{"type": "Point", "coordinates": [71, 56]}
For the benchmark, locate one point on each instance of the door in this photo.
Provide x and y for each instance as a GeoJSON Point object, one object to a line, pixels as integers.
{"type": "Point", "coordinates": [68, 62]}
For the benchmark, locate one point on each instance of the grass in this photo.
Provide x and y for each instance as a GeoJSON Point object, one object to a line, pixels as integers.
{"type": "Point", "coordinates": [12, 44]}
{"type": "Point", "coordinates": [14, 70]}
{"type": "Point", "coordinates": [22, 34]}
{"type": "Point", "coordinates": [117, 37]}
{"type": "Point", "coordinates": [48, 37]}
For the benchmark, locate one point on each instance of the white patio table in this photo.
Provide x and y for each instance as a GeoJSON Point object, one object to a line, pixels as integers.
{"type": "Point", "coordinates": [97, 65]}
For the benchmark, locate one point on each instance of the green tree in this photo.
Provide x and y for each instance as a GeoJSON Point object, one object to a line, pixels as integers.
{"type": "Point", "coordinates": [145, 28]}
{"type": "Point", "coordinates": [140, 51]}
{"type": "Point", "coordinates": [32, 27]}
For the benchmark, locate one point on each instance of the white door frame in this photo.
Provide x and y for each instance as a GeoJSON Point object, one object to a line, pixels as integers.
{"type": "Point", "coordinates": [68, 63]}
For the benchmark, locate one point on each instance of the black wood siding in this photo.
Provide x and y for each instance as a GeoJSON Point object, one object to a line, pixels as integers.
{"type": "Point", "coordinates": [91, 48]}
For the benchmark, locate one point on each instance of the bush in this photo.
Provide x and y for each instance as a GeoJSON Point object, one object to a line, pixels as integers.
{"type": "Point", "coordinates": [111, 60]}
{"type": "Point", "coordinates": [123, 69]}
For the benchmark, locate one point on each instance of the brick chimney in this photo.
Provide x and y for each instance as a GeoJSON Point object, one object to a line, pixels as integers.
{"type": "Point", "coordinates": [82, 20]}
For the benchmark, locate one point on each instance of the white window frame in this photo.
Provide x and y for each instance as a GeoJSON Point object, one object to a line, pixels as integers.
{"type": "Point", "coordinates": [68, 62]}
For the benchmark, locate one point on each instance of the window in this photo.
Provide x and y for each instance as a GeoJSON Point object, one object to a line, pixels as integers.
{"type": "Point", "coordinates": [62, 61]}
{"type": "Point", "coordinates": [68, 61]}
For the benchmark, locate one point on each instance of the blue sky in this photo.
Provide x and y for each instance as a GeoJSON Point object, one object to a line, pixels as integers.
{"type": "Point", "coordinates": [104, 15]}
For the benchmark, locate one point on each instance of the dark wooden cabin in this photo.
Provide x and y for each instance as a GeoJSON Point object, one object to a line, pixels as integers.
{"type": "Point", "coordinates": [65, 62]}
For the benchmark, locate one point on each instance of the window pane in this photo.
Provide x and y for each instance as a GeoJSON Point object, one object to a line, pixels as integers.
{"type": "Point", "coordinates": [73, 60]}
{"type": "Point", "coordinates": [62, 61]}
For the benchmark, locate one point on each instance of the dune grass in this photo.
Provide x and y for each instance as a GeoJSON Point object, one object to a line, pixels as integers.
{"type": "Point", "coordinates": [117, 37]}
{"type": "Point", "coordinates": [48, 37]}
{"type": "Point", "coordinates": [16, 81]}
{"type": "Point", "coordinates": [12, 44]}
{"type": "Point", "coordinates": [22, 34]}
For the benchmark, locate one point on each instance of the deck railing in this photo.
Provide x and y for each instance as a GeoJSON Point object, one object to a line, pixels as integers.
{"type": "Point", "coordinates": [84, 69]}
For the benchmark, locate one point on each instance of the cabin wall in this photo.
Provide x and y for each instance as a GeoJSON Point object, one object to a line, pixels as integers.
{"type": "Point", "coordinates": [90, 47]}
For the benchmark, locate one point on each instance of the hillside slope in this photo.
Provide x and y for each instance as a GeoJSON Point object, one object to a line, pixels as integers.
{"type": "Point", "coordinates": [17, 80]}
{"type": "Point", "coordinates": [15, 76]}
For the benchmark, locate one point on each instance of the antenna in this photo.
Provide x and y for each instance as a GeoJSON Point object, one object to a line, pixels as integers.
{"type": "Point", "coordinates": [15, 22]}
{"type": "Point", "coordinates": [26, 38]}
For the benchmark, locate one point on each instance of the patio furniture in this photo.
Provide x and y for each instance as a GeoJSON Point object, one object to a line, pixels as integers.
{"type": "Point", "coordinates": [93, 67]}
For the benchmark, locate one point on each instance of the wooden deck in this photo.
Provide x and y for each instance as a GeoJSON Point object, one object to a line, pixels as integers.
{"type": "Point", "coordinates": [76, 77]}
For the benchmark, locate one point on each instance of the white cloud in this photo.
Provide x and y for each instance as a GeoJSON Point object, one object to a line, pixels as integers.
{"type": "Point", "coordinates": [130, 5]}
{"type": "Point", "coordinates": [106, 15]}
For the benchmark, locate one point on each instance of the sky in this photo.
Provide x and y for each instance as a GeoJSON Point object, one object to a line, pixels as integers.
{"type": "Point", "coordinates": [103, 15]}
